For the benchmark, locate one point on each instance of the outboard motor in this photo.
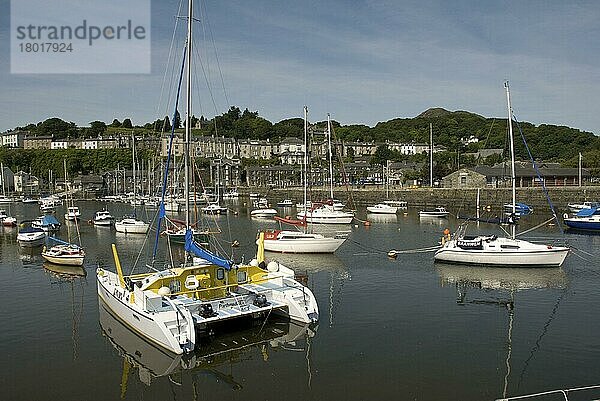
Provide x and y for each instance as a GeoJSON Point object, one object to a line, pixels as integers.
{"type": "Point", "coordinates": [260, 300]}
{"type": "Point", "coordinates": [206, 311]}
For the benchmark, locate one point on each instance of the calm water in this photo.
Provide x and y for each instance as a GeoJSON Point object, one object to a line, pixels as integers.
{"type": "Point", "coordinates": [402, 329]}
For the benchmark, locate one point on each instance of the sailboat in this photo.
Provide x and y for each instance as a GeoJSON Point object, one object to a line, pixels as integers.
{"type": "Point", "coordinates": [65, 253]}
{"type": "Point", "coordinates": [501, 251]}
{"type": "Point", "coordinates": [131, 224]}
{"type": "Point", "coordinates": [166, 307]}
{"type": "Point", "coordinates": [328, 212]}
{"type": "Point", "coordinates": [289, 241]}
{"type": "Point", "coordinates": [387, 206]}
{"type": "Point", "coordinates": [7, 220]}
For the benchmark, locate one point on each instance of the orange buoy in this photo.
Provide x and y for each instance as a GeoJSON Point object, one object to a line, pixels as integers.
{"type": "Point", "coordinates": [367, 223]}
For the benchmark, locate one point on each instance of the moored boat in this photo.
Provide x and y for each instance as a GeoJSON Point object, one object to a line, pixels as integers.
{"type": "Point", "coordinates": [439, 211]}
{"type": "Point", "coordinates": [131, 225]}
{"type": "Point", "coordinates": [64, 254]}
{"type": "Point", "coordinates": [31, 236]}
{"type": "Point", "coordinates": [103, 218]}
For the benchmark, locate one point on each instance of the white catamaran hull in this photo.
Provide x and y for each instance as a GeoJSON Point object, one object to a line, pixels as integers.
{"type": "Point", "coordinates": [170, 321]}
{"type": "Point", "coordinates": [128, 226]}
{"type": "Point", "coordinates": [154, 327]}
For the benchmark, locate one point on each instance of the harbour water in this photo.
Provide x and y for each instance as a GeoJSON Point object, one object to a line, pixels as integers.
{"type": "Point", "coordinates": [403, 329]}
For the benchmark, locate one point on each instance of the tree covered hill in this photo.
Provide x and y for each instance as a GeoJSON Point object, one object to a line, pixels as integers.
{"type": "Point", "coordinates": [450, 129]}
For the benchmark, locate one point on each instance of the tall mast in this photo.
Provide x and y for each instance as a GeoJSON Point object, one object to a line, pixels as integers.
{"type": "Point", "coordinates": [133, 168]}
{"type": "Point", "coordinates": [305, 156]}
{"type": "Point", "coordinates": [513, 176]}
{"type": "Point", "coordinates": [330, 158]}
{"type": "Point", "coordinates": [580, 160]}
{"type": "Point", "coordinates": [2, 168]}
{"type": "Point", "coordinates": [430, 155]}
{"type": "Point", "coordinates": [188, 113]}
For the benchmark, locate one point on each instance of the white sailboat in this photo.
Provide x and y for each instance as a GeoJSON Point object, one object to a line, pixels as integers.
{"type": "Point", "coordinates": [131, 224]}
{"type": "Point", "coordinates": [501, 251]}
{"type": "Point", "coordinates": [166, 307]}
{"type": "Point", "coordinates": [65, 252]}
{"type": "Point", "coordinates": [387, 206]}
{"type": "Point", "coordinates": [289, 241]}
{"type": "Point", "coordinates": [328, 212]}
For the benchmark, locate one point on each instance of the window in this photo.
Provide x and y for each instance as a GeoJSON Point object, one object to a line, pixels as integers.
{"type": "Point", "coordinates": [463, 179]}
{"type": "Point", "coordinates": [220, 274]}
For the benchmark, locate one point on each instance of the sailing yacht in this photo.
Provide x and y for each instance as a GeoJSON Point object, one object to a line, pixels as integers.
{"type": "Point", "coordinates": [501, 251]}
{"type": "Point", "coordinates": [289, 241]}
{"type": "Point", "coordinates": [387, 206]}
{"type": "Point", "coordinates": [166, 307]}
{"type": "Point", "coordinates": [131, 224]}
{"type": "Point", "coordinates": [65, 252]}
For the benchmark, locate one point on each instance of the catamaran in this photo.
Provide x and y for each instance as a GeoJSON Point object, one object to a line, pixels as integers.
{"type": "Point", "coordinates": [166, 306]}
{"type": "Point", "coordinates": [501, 251]}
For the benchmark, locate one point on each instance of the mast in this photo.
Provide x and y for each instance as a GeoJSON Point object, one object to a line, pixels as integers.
{"type": "Point", "coordinates": [430, 155]}
{"type": "Point", "coordinates": [580, 160]}
{"type": "Point", "coordinates": [3, 189]}
{"type": "Point", "coordinates": [513, 176]}
{"type": "Point", "coordinates": [67, 198]}
{"type": "Point", "coordinates": [305, 157]}
{"type": "Point", "coordinates": [188, 113]}
{"type": "Point", "coordinates": [330, 158]}
{"type": "Point", "coordinates": [133, 168]}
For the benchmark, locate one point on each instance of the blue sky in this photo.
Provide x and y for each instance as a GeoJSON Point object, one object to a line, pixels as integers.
{"type": "Point", "coordinates": [361, 61]}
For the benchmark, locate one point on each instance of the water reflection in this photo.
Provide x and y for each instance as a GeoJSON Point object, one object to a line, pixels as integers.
{"type": "Point", "coordinates": [31, 256]}
{"type": "Point", "coordinates": [512, 280]}
{"type": "Point", "coordinates": [213, 353]}
{"type": "Point", "coordinates": [71, 277]}
{"type": "Point", "coordinates": [382, 218]}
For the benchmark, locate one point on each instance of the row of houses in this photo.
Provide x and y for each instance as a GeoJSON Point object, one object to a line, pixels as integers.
{"type": "Point", "coordinates": [289, 150]}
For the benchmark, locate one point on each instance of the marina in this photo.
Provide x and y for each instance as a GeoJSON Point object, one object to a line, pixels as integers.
{"type": "Point", "coordinates": [406, 324]}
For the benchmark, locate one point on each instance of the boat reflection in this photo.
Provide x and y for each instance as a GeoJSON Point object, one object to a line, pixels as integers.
{"type": "Point", "coordinates": [64, 270]}
{"type": "Point", "coordinates": [308, 262]}
{"type": "Point", "coordinates": [382, 218]}
{"type": "Point", "coordinates": [213, 352]}
{"type": "Point", "coordinates": [512, 279]}
{"type": "Point", "coordinates": [30, 255]}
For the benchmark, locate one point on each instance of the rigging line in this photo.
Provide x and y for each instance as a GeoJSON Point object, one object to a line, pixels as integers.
{"type": "Point", "coordinates": [536, 227]}
{"type": "Point", "coordinates": [205, 74]}
{"type": "Point", "coordinates": [540, 337]}
{"type": "Point", "coordinates": [212, 38]}
{"type": "Point", "coordinates": [537, 171]}
{"type": "Point", "coordinates": [488, 137]}
{"type": "Point", "coordinates": [161, 206]}
{"type": "Point", "coordinates": [171, 46]}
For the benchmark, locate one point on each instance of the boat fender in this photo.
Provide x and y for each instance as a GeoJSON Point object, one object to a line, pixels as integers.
{"type": "Point", "coordinates": [392, 254]}
{"type": "Point", "coordinates": [443, 241]}
{"type": "Point", "coordinates": [273, 266]}
{"type": "Point", "coordinates": [254, 262]}
{"type": "Point", "coordinates": [164, 291]}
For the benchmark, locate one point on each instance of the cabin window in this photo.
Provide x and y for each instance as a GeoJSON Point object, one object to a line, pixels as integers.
{"type": "Point", "coordinates": [241, 277]}
{"type": "Point", "coordinates": [175, 286]}
{"type": "Point", "coordinates": [509, 246]}
{"type": "Point", "coordinates": [220, 274]}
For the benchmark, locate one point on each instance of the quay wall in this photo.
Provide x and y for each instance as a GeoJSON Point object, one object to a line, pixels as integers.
{"type": "Point", "coordinates": [453, 199]}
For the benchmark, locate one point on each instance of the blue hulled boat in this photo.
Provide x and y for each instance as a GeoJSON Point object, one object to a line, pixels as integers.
{"type": "Point", "coordinates": [585, 219]}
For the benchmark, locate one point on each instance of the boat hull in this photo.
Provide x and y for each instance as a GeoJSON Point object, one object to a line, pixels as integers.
{"type": "Point", "coordinates": [29, 240]}
{"type": "Point", "coordinates": [142, 323]}
{"type": "Point", "coordinates": [321, 245]}
{"type": "Point", "coordinates": [131, 228]}
{"type": "Point", "coordinates": [503, 253]}
{"type": "Point", "coordinates": [382, 209]}
{"type": "Point", "coordinates": [64, 260]}
{"type": "Point", "coordinates": [591, 223]}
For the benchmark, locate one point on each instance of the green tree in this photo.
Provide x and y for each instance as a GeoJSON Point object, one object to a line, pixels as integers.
{"type": "Point", "coordinates": [127, 123]}
{"type": "Point", "coordinates": [116, 123]}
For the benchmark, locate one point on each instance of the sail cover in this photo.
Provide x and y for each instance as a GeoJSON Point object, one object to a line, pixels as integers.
{"type": "Point", "coordinates": [192, 247]}
{"type": "Point", "coordinates": [587, 212]}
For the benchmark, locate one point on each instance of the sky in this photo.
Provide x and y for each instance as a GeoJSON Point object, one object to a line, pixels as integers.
{"type": "Point", "coordinates": [361, 61]}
